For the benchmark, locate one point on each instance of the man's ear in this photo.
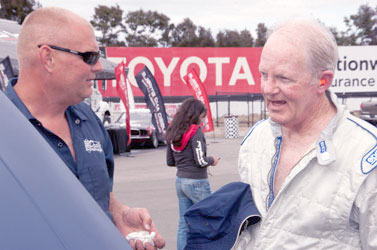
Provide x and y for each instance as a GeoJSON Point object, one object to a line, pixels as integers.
{"type": "Point", "coordinates": [325, 80]}
{"type": "Point", "coordinates": [46, 57]}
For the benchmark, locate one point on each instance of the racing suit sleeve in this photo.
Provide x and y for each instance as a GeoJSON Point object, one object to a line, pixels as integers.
{"type": "Point", "coordinates": [199, 148]}
{"type": "Point", "coordinates": [170, 161]}
{"type": "Point", "coordinates": [364, 211]}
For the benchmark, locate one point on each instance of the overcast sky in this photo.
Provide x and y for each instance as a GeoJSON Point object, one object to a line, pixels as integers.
{"type": "Point", "coordinates": [228, 14]}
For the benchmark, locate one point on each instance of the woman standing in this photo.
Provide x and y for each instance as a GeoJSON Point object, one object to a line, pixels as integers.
{"type": "Point", "coordinates": [187, 151]}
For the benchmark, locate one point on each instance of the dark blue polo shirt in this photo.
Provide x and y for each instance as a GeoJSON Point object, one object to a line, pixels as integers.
{"type": "Point", "coordinates": [94, 165]}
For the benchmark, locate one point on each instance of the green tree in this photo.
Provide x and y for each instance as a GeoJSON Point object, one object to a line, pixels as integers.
{"type": "Point", "coordinates": [205, 38]}
{"type": "Point", "coordinates": [108, 20]}
{"type": "Point", "coordinates": [246, 39]}
{"type": "Point", "coordinates": [361, 28]}
{"type": "Point", "coordinates": [261, 35]}
{"type": "Point", "coordinates": [184, 34]}
{"type": "Point", "coordinates": [17, 10]}
{"type": "Point", "coordinates": [166, 37]}
{"type": "Point", "coordinates": [343, 38]}
{"type": "Point", "coordinates": [227, 38]}
{"type": "Point", "coordinates": [365, 22]}
{"type": "Point", "coordinates": [146, 28]}
{"type": "Point", "coordinates": [233, 38]}
{"type": "Point", "coordinates": [220, 39]}
{"type": "Point", "coordinates": [187, 34]}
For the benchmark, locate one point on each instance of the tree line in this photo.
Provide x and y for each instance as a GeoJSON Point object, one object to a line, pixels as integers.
{"type": "Point", "coordinates": [142, 28]}
{"type": "Point", "coordinates": [153, 29]}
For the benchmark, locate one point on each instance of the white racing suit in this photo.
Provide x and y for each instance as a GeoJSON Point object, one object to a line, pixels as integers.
{"type": "Point", "coordinates": [329, 199]}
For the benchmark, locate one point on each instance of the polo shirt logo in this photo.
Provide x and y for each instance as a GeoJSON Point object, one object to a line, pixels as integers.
{"type": "Point", "coordinates": [91, 145]}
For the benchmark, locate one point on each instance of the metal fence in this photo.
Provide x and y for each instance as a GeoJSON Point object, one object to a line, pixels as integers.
{"type": "Point", "coordinates": [250, 107]}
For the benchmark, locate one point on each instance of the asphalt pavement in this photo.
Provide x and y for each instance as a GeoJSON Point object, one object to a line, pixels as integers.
{"type": "Point", "coordinates": [143, 179]}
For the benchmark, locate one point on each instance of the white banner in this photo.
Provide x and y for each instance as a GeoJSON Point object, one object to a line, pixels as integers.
{"type": "Point", "coordinates": [356, 70]}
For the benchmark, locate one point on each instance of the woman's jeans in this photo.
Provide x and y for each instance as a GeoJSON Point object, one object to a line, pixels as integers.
{"type": "Point", "coordinates": [189, 192]}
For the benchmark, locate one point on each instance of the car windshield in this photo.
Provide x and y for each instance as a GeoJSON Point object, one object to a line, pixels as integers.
{"type": "Point", "coordinates": [135, 116]}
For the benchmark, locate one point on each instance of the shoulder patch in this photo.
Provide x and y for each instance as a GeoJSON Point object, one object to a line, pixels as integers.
{"type": "Point", "coordinates": [369, 161]}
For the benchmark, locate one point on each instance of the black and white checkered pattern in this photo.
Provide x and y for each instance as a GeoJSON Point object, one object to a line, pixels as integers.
{"type": "Point", "coordinates": [231, 127]}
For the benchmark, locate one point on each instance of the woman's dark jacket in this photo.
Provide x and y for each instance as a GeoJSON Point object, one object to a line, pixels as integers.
{"type": "Point", "coordinates": [191, 157]}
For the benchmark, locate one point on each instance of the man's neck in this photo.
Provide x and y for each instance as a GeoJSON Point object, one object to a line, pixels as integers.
{"type": "Point", "coordinates": [298, 140]}
{"type": "Point", "coordinates": [320, 117]}
{"type": "Point", "coordinates": [38, 101]}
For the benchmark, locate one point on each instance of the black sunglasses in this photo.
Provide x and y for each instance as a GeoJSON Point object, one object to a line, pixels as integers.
{"type": "Point", "coordinates": [89, 57]}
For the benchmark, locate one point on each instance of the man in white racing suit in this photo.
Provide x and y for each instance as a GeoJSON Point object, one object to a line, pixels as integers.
{"type": "Point", "coordinates": [311, 165]}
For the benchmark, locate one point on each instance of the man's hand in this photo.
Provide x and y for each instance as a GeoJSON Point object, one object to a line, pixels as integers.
{"type": "Point", "coordinates": [138, 219]}
{"type": "Point", "coordinates": [129, 220]}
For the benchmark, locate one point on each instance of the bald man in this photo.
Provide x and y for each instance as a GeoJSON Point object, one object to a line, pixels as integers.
{"type": "Point", "coordinates": [312, 165]}
{"type": "Point", "coordinates": [58, 60]}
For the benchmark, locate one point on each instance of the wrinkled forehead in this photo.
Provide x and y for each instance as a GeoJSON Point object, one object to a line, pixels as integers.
{"type": "Point", "coordinates": [282, 48]}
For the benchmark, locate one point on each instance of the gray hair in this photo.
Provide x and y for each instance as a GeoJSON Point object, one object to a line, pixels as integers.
{"type": "Point", "coordinates": [322, 50]}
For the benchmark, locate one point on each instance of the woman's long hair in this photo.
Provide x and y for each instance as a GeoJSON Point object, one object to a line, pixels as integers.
{"type": "Point", "coordinates": [188, 113]}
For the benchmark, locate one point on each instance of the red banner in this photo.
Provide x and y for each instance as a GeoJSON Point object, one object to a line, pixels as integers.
{"type": "Point", "coordinates": [196, 86]}
{"type": "Point", "coordinates": [121, 86]}
{"type": "Point", "coordinates": [221, 70]}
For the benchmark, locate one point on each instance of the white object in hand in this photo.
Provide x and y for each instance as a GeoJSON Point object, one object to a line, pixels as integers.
{"type": "Point", "coordinates": [143, 236]}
